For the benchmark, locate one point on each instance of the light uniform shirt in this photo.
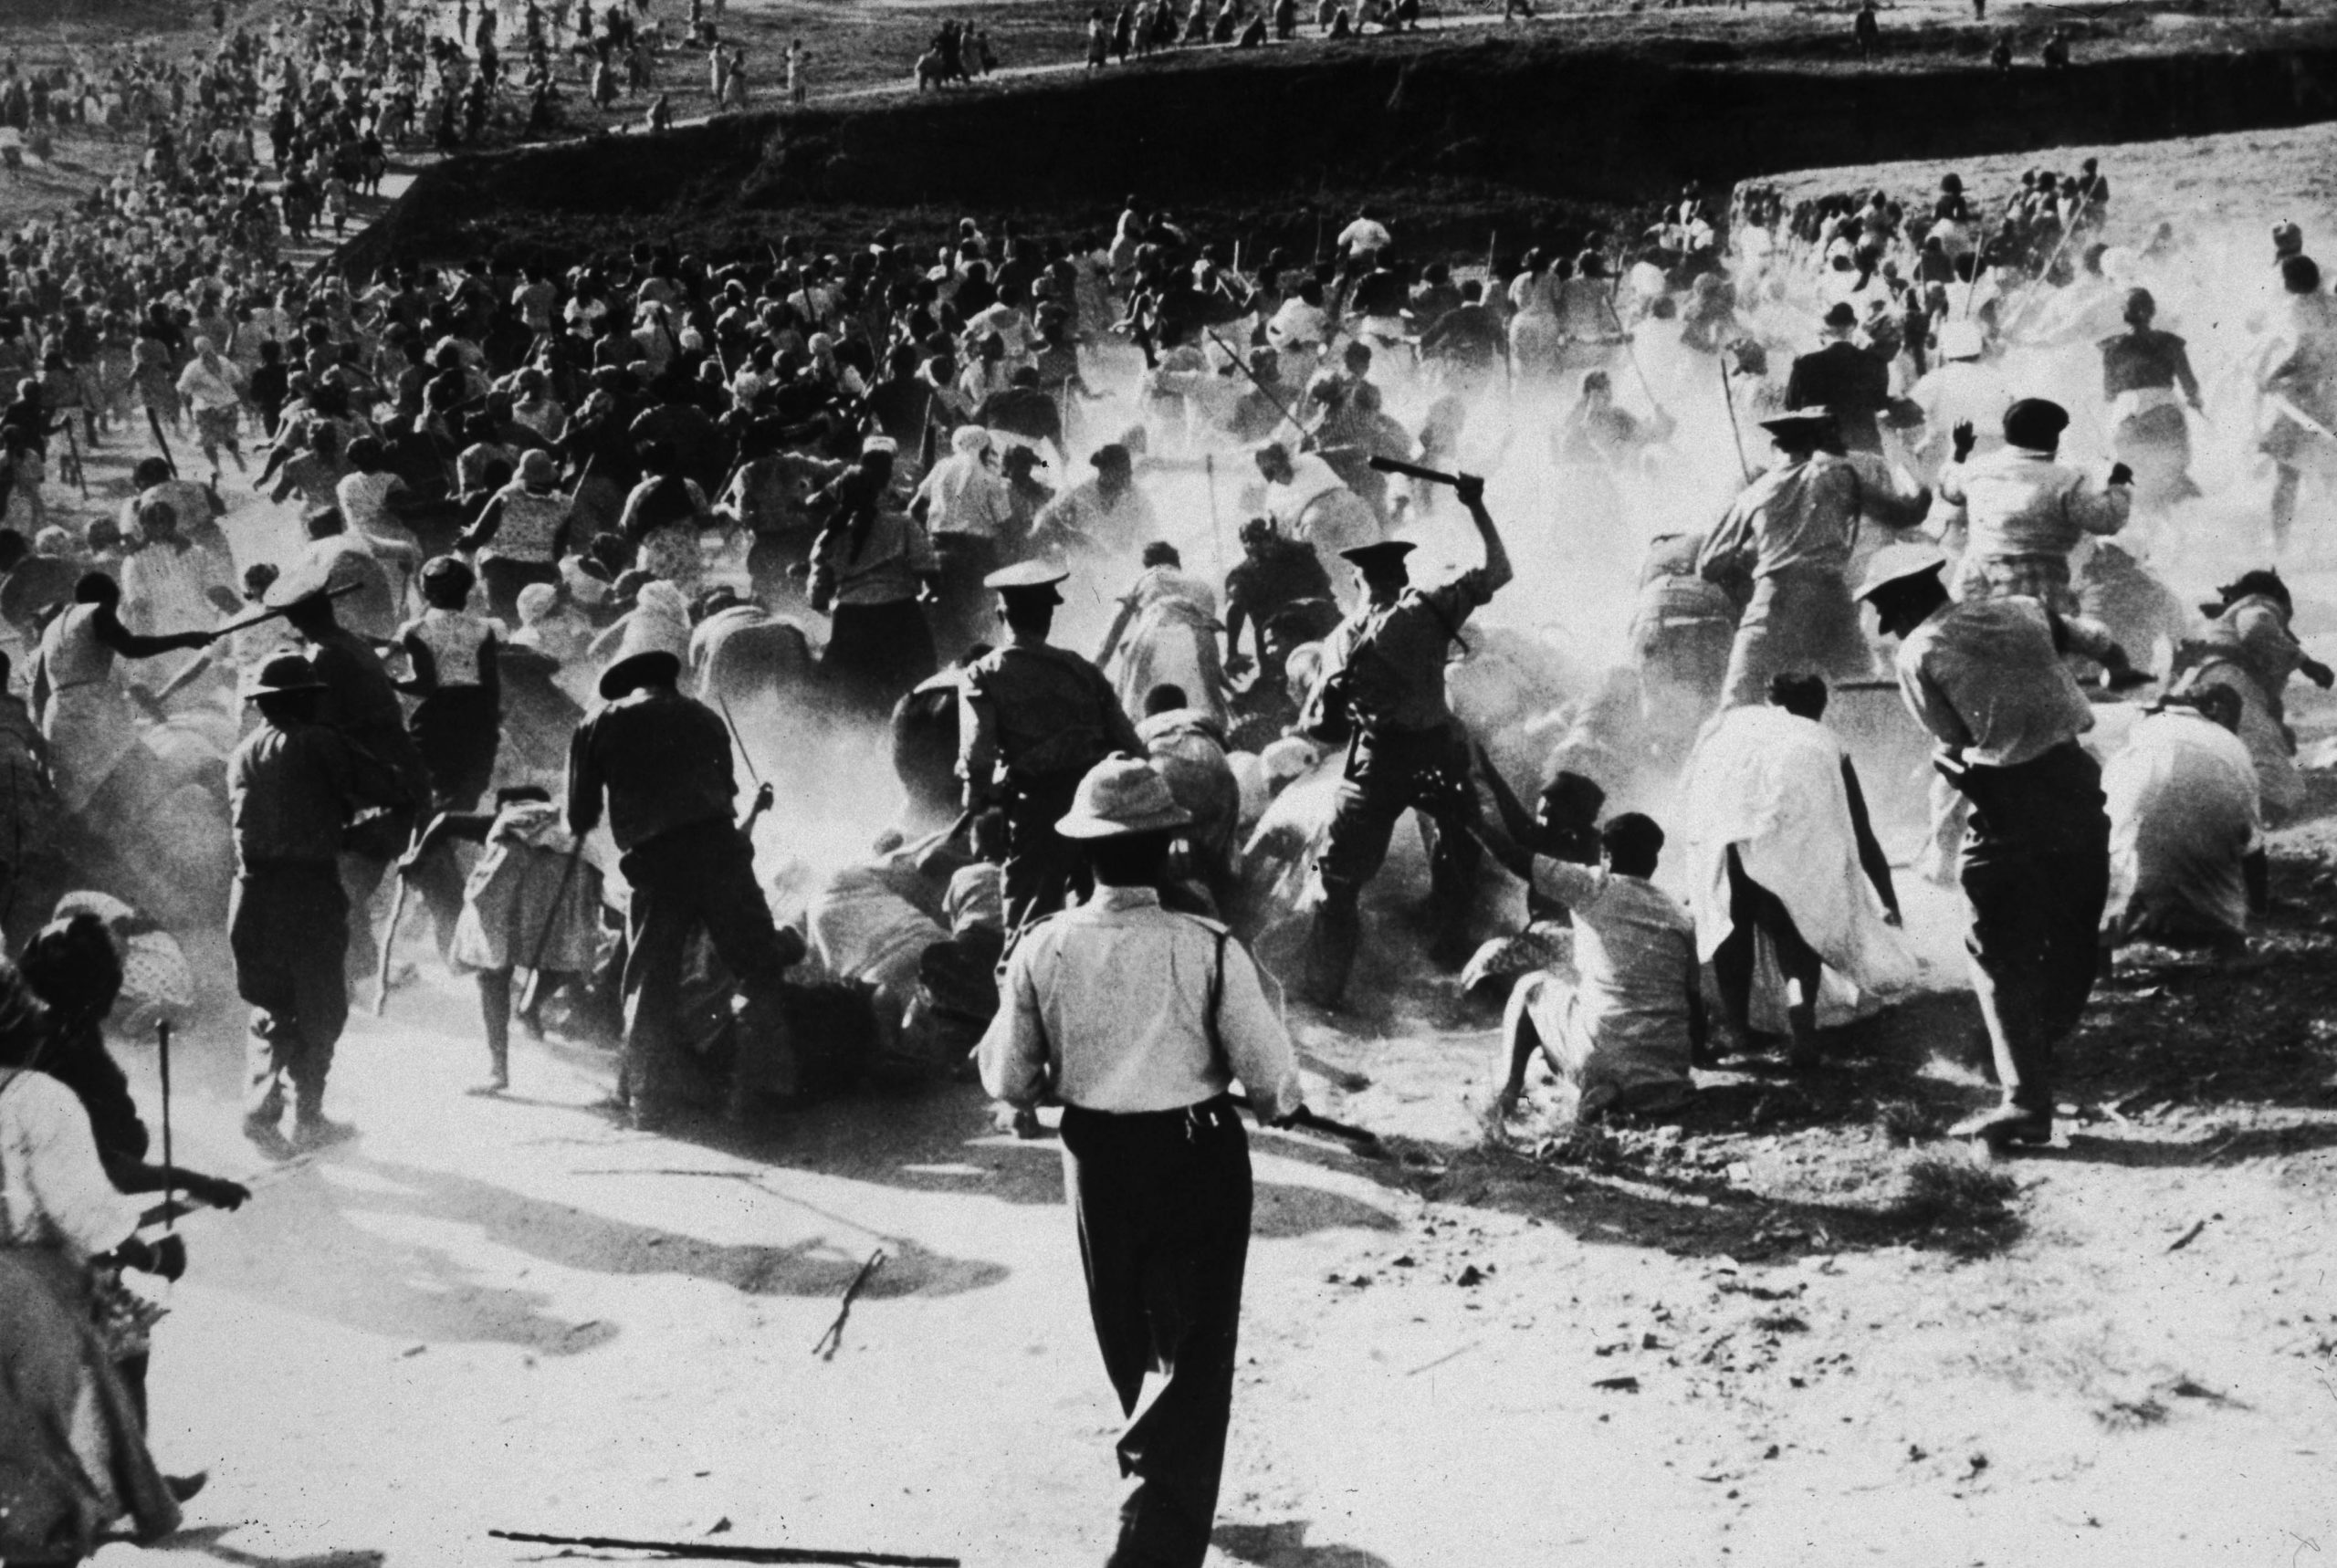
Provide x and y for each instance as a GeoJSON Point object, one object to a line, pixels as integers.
{"type": "Point", "coordinates": [2017, 503]}
{"type": "Point", "coordinates": [1985, 679]}
{"type": "Point", "coordinates": [1108, 1003]}
{"type": "Point", "coordinates": [2183, 813]}
{"type": "Point", "coordinates": [1635, 963]}
{"type": "Point", "coordinates": [1798, 517]}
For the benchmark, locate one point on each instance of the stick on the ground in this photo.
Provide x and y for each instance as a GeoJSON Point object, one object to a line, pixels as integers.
{"type": "Point", "coordinates": [2188, 1236]}
{"type": "Point", "coordinates": [711, 1552]}
{"type": "Point", "coordinates": [833, 1341]}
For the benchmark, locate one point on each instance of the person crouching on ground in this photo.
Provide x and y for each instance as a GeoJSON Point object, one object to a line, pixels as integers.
{"type": "Point", "coordinates": [1621, 1036]}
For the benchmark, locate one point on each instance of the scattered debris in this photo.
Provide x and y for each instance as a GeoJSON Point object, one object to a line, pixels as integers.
{"type": "Point", "coordinates": [833, 1341]}
{"type": "Point", "coordinates": [2188, 1236]}
{"type": "Point", "coordinates": [1626, 1383]}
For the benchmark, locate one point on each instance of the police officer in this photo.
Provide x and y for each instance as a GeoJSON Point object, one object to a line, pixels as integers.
{"type": "Point", "coordinates": [662, 762]}
{"type": "Point", "coordinates": [1033, 718]}
{"type": "Point", "coordinates": [1139, 1019]}
{"type": "Point", "coordinates": [293, 787]}
{"type": "Point", "coordinates": [1383, 693]}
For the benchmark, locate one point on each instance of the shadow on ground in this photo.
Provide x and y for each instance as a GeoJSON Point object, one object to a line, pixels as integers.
{"type": "Point", "coordinates": [211, 1540]}
{"type": "Point", "coordinates": [1283, 1545]}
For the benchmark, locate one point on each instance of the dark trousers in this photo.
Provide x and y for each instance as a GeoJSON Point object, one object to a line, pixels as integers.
{"type": "Point", "coordinates": [964, 617]}
{"type": "Point", "coordinates": [287, 929]}
{"type": "Point", "coordinates": [1753, 911]}
{"type": "Point", "coordinates": [1162, 1202]}
{"type": "Point", "coordinates": [704, 874]}
{"type": "Point", "coordinates": [2037, 873]}
{"type": "Point", "coordinates": [1040, 865]}
{"type": "Point", "coordinates": [1387, 774]}
{"type": "Point", "coordinates": [875, 654]}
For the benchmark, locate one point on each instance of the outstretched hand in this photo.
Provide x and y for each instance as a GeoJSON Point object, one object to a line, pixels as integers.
{"type": "Point", "coordinates": [1965, 439]}
{"type": "Point", "coordinates": [217, 1191]}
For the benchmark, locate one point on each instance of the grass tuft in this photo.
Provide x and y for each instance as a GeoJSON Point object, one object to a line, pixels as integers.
{"type": "Point", "coordinates": [1950, 1189]}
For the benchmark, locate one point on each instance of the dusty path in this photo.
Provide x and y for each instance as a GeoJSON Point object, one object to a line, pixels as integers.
{"type": "Point", "coordinates": [507, 1314]}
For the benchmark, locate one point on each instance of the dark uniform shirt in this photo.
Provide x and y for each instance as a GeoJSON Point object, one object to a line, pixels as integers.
{"type": "Point", "coordinates": [1393, 658]}
{"type": "Point", "coordinates": [1040, 712]}
{"type": "Point", "coordinates": [663, 761]}
{"type": "Point", "coordinates": [291, 789]}
{"type": "Point", "coordinates": [363, 705]}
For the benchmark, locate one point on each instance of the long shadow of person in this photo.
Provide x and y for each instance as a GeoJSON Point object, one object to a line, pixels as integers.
{"type": "Point", "coordinates": [386, 1281]}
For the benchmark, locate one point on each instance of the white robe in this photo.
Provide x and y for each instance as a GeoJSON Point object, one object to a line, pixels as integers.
{"type": "Point", "coordinates": [1770, 783]}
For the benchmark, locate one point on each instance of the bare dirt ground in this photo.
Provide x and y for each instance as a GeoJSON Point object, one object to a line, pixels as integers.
{"type": "Point", "coordinates": [1795, 1328]}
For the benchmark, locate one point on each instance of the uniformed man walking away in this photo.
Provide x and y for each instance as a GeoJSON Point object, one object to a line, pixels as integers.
{"type": "Point", "coordinates": [1987, 678]}
{"type": "Point", "coordinates": [1139, 1019]}
{"type": "Point", "coordinates": [662, 763]}
{"type": "Point", "coordinates": [293, 787]}
{"type": "Point", "coordinates": [1033, 720]}
{"type": "Point", "coordinates": [1383, 695]}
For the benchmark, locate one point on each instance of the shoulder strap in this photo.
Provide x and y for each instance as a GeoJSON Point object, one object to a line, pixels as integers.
{"type": "Point", "coordinates": [1210, 1019]}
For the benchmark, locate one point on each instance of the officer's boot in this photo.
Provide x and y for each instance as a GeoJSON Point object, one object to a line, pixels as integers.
{"type": "Point", "coordinates": [1331, 943]}
{"type": "Point", "coordinates": [1452, 867]}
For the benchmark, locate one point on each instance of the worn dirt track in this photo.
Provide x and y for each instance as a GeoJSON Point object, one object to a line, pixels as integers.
{"type": "Point", "coordinates": [505, 1314]}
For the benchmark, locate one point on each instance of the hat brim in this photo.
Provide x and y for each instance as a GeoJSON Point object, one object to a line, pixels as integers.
{"type": "Point", "coordinates": [256, 693]}
{"type": "Point", "coordinates": [1795, 423]}
{"type": "Point", "coordinates": [1080, 825]}
{"type": "Point", "coordinates": [634, 668]}
{"type": "Point", "coordinates": [1384, 550]}
{"type": "Point", "coordinates": [1914, 574]}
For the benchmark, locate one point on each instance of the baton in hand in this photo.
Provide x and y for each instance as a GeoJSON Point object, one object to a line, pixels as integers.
{"type": "Point", "coordinates": [1364, 1139]}
{"type": "Point", "coordinates": [1414, 471]}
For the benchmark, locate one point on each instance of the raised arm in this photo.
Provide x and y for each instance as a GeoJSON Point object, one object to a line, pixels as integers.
{"type": "Point", "coordinates": [1499, 573]}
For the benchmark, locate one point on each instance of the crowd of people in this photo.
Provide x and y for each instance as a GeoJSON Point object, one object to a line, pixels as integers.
{"type": "Point", "coordinates": [493, 582]}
